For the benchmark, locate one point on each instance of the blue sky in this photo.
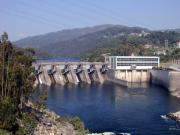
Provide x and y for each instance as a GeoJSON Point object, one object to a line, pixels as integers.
{"type": "Point", "coordinates": [22, 18]}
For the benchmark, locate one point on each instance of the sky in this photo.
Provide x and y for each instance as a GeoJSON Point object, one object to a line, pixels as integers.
{"type": "Point", "coordinates": [23, 18]}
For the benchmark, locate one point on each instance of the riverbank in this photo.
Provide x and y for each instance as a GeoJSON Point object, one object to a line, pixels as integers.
{"type": "Point", "coordinates": [52, 124]}
{"type": "Point", "coordinates": [35, 119]}
{"type": "Point", "coordinates": [49, 123]}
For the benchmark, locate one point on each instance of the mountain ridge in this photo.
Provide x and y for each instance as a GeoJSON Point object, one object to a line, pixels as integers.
{"type": "Point", "coordinates": [78, 41]}
{"type": "Point", "coordinates": [61, 33]}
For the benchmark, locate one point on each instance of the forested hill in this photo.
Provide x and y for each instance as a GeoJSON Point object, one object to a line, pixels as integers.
{"type": "Point", "coordinates": [59, 36]}
{"type": "Point", "coordinates": [77, 42]}
{"type": "Point", "coordinates": [176, 30]}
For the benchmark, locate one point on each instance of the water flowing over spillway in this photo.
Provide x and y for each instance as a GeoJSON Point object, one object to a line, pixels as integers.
{"type": "Point", "coordinates": [111, 108]}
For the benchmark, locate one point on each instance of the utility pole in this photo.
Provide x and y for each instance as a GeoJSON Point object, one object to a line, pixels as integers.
{"type": "Point", "coordinates": [166, 44]}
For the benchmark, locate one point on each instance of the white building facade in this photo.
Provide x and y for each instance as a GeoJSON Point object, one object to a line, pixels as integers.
{"type": "Point", "coordinates": [132, 62]}
{"type": "Point", "coordinates": [178, 44]}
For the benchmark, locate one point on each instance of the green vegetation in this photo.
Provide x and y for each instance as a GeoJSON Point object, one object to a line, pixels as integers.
{"type": "Point", "coordinates": [173, 54]}
{"type": "Point", "coordinates": [16, 83]}
{"type": "Point", "coordinates": [4, 132]}
{"type": "Point", "coordinates": [76, 122]}
{"type": "Point", "coordinates": [79, 42]}
{"type": "Point", "coordinates": [15, 89]}
{"type": "Point", "coordinates": [29, 124]}
{"type": "Point", "coordinates": [134, 44]}
{"type": "Point", "coordinates": [41, 100]}
{"type": "Point", "coordinates": [44, 96]}
{"type": "Point", "coordinates": [8, 113]}
{"type": "Point", "coordinates": [124, 50]}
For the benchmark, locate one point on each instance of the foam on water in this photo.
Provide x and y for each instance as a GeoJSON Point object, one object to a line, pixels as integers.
{"type": "Point", "coordinates": [164, 117]}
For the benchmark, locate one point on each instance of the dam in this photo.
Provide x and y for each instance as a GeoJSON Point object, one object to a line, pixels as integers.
{"type": "Point", "coordinates": [117, 69]}
{"type": "Point", "coordinates": [110, 107]}
{"type": "Point", "coordinates": [49, 73]}
{"type": "Point", "coordinates": [121, 70]}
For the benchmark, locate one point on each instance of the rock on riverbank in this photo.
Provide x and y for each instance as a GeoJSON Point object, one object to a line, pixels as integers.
{"type": "Point", "coordinates": [49, 125]}
{"type": "Point", "coordinates": [174, 116]}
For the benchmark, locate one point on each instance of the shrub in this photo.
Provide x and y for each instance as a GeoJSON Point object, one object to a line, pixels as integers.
{"type": "Point", "coordinates": [20, 131]}
{"type": "Point", "coordinates": [4, 132]}
{"type": "Point", "coordinates": [44, 97]}
{"type": "Point", "coordinates": [79, 126]}
{"type": "Point", "coordinates": [76, 122]}
{"type": "Point", "coordinates": [29, 124]}
{"type": "Point", "coordinates": [8, 113]}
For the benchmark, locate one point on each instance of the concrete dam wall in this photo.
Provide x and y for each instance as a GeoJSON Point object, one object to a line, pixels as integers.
{"type": "Point", "coordinates": [134, 76]}
{"type": "Point", "coordinates": [167, 79]}
{"type": "Point", "coordinates": [88, 72]}
{"type": "Point", "coordinates": [125, 77]}
{"type": "Point", "coordinates": [73, 72]}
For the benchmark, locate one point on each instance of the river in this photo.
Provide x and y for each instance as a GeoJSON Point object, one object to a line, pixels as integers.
{"type": "Point", "coordinates": [113, 108]}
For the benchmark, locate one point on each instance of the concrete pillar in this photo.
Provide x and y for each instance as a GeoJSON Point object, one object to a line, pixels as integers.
{"type": "Point", "coordinates": [73, 77]}
{"type": "Point", "coordinates": [126, 75]}
{"type": "Point", "coordinates": [131, 76]}
{"type": "Point", "coordinates": [44, 77]}
{"type": "Point", "coordinates": [58, 75]}
{"type": "Point", "coordinates": [80, 75]}
{"type": "Point", "coordinates": [69, 77]}
{"type": "Point", "coordinates": [142, 78]}
{"type": "Point", "coordinates": [98, 73]}
{"type": "Point", "coordinates": [86, 75]}
{"type": "Point", "coordinates": [37, 81]}
{"type": "Point", "coordinates": [119, 74]}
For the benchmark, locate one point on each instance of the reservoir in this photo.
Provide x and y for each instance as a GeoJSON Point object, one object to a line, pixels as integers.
{"type": "Point", "coordinates": [113, 108]}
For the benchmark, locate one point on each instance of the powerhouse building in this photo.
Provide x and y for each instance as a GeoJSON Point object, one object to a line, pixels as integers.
{"type": "Point", "coordinates": [132, 62]}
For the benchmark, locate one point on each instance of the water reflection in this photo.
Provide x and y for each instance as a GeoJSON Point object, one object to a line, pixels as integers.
{"type": "Point", "coordinates": [138, 85]}
{"type": "Point", "coordinates": [110, 107]}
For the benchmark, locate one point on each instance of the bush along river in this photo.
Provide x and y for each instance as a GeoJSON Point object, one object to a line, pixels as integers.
{"type": "Point", "coordinates": [117, 109]}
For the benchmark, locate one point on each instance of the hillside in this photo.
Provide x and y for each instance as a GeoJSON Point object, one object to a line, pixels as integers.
{"type": "Point", "coordinates": [176, 30]}
{"type": "Point", "coordinates": [78, 42]}
{"type": "Point", "coordinates": [59, 36]}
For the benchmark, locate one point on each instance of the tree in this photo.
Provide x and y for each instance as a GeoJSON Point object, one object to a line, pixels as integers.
{"type": "Point", "coordinates": [16, 80]}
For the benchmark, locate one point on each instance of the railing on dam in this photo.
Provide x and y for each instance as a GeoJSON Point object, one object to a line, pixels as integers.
{"type": "Point", "coordinates": [69, 63]}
